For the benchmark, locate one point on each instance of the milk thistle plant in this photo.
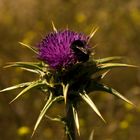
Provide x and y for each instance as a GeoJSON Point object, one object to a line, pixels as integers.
{"type": "Point", "coordinates": [67, 72]}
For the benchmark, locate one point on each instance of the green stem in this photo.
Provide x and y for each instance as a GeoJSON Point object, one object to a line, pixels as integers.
{"type": "Point", "coordinates": [70, 124]}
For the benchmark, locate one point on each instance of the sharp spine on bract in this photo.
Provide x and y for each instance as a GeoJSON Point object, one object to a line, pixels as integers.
{"type": "Point", "coordinates": [93, 31]}
{"type": "Point", "coordinates": [54, 28]}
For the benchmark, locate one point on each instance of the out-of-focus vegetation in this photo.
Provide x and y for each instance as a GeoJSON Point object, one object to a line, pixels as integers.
{"type": "Point", "coordinates": [119, 34]}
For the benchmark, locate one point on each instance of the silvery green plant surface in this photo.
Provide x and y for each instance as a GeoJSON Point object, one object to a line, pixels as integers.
{"type": "Point", "coordinates": [67, 72]}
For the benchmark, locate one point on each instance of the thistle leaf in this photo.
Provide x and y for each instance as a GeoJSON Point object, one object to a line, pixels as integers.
{"type": "Point", "coordinates": [100, 73]}
{"type": "Point", "coordinates": [48, 104]}
{"type": "Point", "coordinates": [31, 70]}
{"type": "Point", "coordinates": [109, 66]}
{"type": "Point", "coordinates": [87, 99]}
{"type": "Point", "coordinates": [58, 119]}
{"type": "Point", "coordinates": [107, 89]}
{"type": "Point", "coordinates": [16, 86]}
{"type": "Point", "coordinates": [42, 113]}
{"type": "Point", "coordinates": [91, 135]}
{"type": "Point", "coordinates": [108, 59]}
{"type": "Point", "coordinates": [29, 47]}
{"type": "Point", "coordinates": [103, 69]}
{"type": "Point", "coordinates": [28, 65]}
{"type": "Point", "coordinates": [75, 114]}
{"type": "Point", "coordinates": [32, 85]}
{"type": "Point", "coordinates": [65, 91]}
{"type": "Point", "coordinates": [104, 74]}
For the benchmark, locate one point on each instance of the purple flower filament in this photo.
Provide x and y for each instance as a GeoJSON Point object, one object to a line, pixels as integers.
{"type": "Point", "coordinates": [55, 49]}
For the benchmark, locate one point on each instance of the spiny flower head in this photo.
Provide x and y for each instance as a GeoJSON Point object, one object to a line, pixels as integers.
{"type": "Point", "coordinates": [55, 49]}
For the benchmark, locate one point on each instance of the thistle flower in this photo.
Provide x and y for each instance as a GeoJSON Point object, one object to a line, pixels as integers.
{"type": "Point", "coordinates": [55, 49]}
{"type": "Point", "coordinates": [76, 75]}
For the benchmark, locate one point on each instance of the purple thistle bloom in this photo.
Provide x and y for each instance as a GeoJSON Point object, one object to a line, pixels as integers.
{"type": "Point", "coordinates": [55, 49]}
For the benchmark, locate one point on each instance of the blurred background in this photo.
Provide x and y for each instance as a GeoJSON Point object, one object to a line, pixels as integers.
{"type": "Point", "coordinates": [118, 35]}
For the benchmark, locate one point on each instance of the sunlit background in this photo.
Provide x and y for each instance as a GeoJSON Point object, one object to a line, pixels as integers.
{"type": "Point", "coordinates": [118, 35]}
